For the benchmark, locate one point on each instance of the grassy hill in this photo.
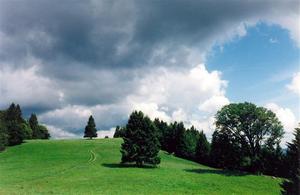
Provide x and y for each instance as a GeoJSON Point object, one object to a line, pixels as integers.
{"type": "Point", "coordinates": [91, 167]}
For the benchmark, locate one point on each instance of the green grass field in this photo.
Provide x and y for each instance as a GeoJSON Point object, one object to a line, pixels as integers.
{"type": "Point", "coordinates": [92, 167]}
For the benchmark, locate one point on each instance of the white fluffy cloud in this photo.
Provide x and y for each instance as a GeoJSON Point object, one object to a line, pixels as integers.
{"type": "Point", "coordinates": [294, 86]}
{"type": "Point", "coordinates": [26, 87]}
{"type": "Point", "coordinates": [214, 103]}
{"type": "Point", "coordinates": [285, 115]}
{"type": "Point", "coordinates": [109, 133]}
{"type": "Point", "coordinates": [58, 133]}
{"type": "Point", "coordinates": [190, 96]}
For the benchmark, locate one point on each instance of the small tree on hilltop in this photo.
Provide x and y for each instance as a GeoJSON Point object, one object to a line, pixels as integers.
{"type": "Point", "coordinates": [90, 129]}
{"type": "Point", "coordinates": [141, 144]}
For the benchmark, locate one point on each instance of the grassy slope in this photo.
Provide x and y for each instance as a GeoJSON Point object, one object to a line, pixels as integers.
{"type": "Point", "coordinates": [91, 167]}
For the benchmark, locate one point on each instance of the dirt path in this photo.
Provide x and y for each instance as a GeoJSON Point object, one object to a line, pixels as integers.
{"type": "Point", "coordinates": [93, 156]}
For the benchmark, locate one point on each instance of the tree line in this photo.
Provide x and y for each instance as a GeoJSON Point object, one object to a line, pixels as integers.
{"type": "Point", "coordinates": [14, 128]}
{"type": "Point", "coordinates": [246, 138]}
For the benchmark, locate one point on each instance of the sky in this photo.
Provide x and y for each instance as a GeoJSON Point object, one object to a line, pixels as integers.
{"type": "Point", "coordinates": [175, 60]}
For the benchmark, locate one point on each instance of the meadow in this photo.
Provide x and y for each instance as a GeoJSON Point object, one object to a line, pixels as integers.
{"type": "Point", "coordinates": [92, 167]}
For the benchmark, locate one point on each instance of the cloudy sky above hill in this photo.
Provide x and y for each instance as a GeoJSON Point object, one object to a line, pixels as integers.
{"type": "Point", "coordinates": [176, 60]}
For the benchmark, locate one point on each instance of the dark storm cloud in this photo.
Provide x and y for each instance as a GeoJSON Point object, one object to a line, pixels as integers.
{"type": "Point", "coordinates": [95, 52]}
{"type": "Point", "coordinates": [108, 34]}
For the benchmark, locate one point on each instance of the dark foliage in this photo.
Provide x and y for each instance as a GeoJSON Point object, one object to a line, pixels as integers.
{"type": "Point", "coordinates": [3, 131]}
{"type": "Point", "coordinates": [90, 129]}
{"type": "Point", "coordinates": [224, 152]}
{"type": "Point", "coordinates": [202, 149]}
{"type": "Point", "coordinates": [188, 144]}
{"type": "Point", "coordinates": [119, 132]}
{"type": "Point", "coordinates": [38, 131]}
{"type": "Point", "coordinates": [141, 144]}
{"type": "Point", "coordinates": [14, 121]}
{"type": "Point", "coordinates": [163, 129]}
{"type": "Point", "coordinates": [243, 132]}
{"type": "Point", "coordinates": [292, 185]}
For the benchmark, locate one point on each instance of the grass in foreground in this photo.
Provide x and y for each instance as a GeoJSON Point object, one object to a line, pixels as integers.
{"type": "Point", "coordinates": [92, 167]}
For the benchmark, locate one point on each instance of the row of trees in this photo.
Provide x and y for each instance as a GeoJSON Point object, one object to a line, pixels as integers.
{"type": "Point", "coordinates": [246, 138]}
{"type": "Point", "coordinates": [14, 128]}
{"type": "Point", "coordinates": [144, 138]}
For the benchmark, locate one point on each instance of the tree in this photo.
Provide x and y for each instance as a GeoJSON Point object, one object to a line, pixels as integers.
{"type": "Point", "coordinates": [44, 133]}
{"type": "Point", "coordinates": [141, 144]}
{"type": "Point", "coordinates": [162, 128]}
{"type": "Point", "coordinates": [250, 129]}
{"type": "Point", "coordinates": [202, 149]}
{"type": "Point", "coordinates": [90, 129]}
{"type": "Point", "coordinates": [225, 153]}
{"type": "Point", "coordinates": [38, 131]}
{"type": "Point", "coordinates": [272, 160]}
{"type": "Point", "coordinates": [33, 123]}
{"type": "Point", "coordinates": [3, 131]}
{"type": "Point", "coordinates": [187, 143]}
{"type": "Point", "coordinates": [292, 186]}
{"type": "Point", "coordinates": [170, 138]}
{"type": "Point", "coordinates": [179, 138]}
{"type": "Point", "coordinates": [27, 130]}
{"type": "Point", "coordinates": [119, 132]}
{"type": "Point", "coordinates": [14, 126]}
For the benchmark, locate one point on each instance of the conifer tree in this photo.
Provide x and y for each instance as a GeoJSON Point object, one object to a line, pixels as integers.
{"type": "Point", "coordinates": [141, 144]}
{"type": "Point", "coordinates": [202, 149]}
{"type": "Point", "coordinates": [119, 132]}
{"type": "Point", "coordinates": [90, 129]}
{"type": "Point", "coordinates": [33, 122]}
{"type": "Point", "coordinates": [292, 186]}
{"type": "Point", "coordinates": [38, 131]}
{"type": "Point", "coordinates": [14, 125]}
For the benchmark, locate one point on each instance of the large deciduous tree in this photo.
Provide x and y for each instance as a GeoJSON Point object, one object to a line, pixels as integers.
{"type": "Point", "coordinates": [141, 144]}
{"type": "Point", "coordinates": [90, 129]}
{"type": "Point", "coordinates": [248, 129]}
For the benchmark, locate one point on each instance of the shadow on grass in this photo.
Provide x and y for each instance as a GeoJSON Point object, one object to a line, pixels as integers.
{"type": "Point", "coordinates": [217, 171]}
{"type": "Point", "coordinates": [120, 165]}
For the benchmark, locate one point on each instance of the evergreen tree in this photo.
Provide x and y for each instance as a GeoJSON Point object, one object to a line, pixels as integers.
{"type": "Point", "coordinates": [38, 131]}
{"type": "Point", "coordinates": [273, 161]}
{"type": "Point", "coordinates": [119, 132]}
{"type": "Point", "coordinates": [14, 126]}
{"type": "Point", "coordinates": [187, 144]}
{"type": "Point", "coordinates": [225, 153]}
{"type": "Point", "coordinates": [27, 130]}
{"type": "Point", "coordinates": [33, 122]}
{"type": "Point", "coordinates": [292, 186]}
{"type": "Point", "coordinates": [44, 133]}
{"type": "Point", "coordinates": [170, 138]}
{"type": "Point", "coordinates": [90, 129]}
{"type": "Point", "coordinates": [141, 144]}
{"type": "Point", "coordinates": [3, 131]}
{"type": "Point", "coordinates": [162, 128]}
{"type": "Point", "coordinates": [179, 138]}
{"type": "Point", "coordinates": [202, 149]}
